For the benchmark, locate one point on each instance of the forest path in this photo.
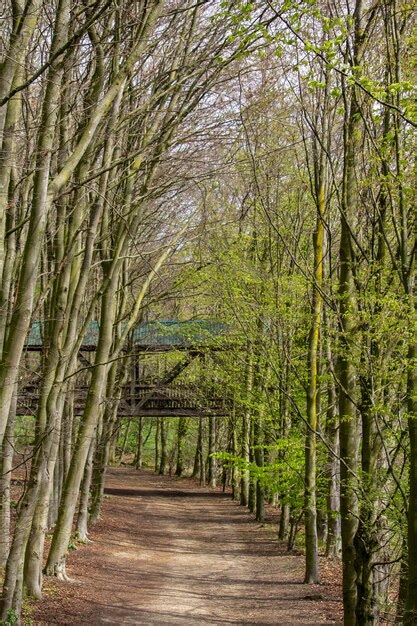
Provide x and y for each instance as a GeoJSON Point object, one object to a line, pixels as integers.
{"type": "Point", "coordinates": [170, 552]}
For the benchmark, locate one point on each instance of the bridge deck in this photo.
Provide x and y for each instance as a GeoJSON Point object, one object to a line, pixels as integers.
{"type": "Point", "coordinates": [139, 401]}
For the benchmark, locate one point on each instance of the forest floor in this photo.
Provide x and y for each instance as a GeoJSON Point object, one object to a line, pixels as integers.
{"type": "Point", "coordinates": [170, 552]}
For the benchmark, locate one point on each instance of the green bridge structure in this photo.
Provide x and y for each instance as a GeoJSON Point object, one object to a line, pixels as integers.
{"type": "Point", "coordinates": [161, 396]}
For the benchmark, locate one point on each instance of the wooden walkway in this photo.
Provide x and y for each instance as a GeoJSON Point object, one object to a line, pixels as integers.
{"type": "Point", "coordinates": [140, 401]}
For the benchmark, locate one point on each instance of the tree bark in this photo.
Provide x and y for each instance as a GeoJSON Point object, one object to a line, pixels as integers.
{"type": "Point", "coordinates": [312, 574]}
{"type": "Point", "coordinates": [181, 434]}
{"type": "Point", "coordinates": [244, 480]}
{"type": "Point", "coordinates": [212, 465]}
{"type": "Point", "coordinates": [82, 521]}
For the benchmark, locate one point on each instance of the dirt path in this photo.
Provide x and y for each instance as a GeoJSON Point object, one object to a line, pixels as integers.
{"type": "Point", "coordinates": [169, 552]}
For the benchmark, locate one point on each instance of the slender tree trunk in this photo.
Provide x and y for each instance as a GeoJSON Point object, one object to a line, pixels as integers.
{"type": "Point", "coordinates": [312, 574]}
{"type": "Point", "coordinates": [348, 339]}
{"type": "Point", "coordinates": [252, 478]}
{"type": "Point", "coordinates": [12, 71]}
{"type": "Point", "coordinates": [295, 518]}
{"type": "Point", "coordinates": [403, 583]}
{"type": "Point", "coordinates": [284, 518]}
{"type": "Point", "coordinates": [234, 475]}
{"type": "Point", "coordinates": [5, 478]}
{"type": "Point", "coordinates": [157, 437]}
{"type": "Point", "coordinates": [212, 465]}
{"type": "Point", "coordinates": [8, 204]}
{"type": "Point", "coordinates": [259, 460]}
{"type": "Point", "coordinates": [244, 481]}
{"type": "Point", "coordinates": [58, 480]}
{"type": "Point", "coordinates": [181, 434]}
{"type": "Point", "coordinates": [82, 521]}
{"type": "Point", "coordinates": [104, 438]}
{"type": "Point", "coordinates": [410, 615]}
{"type": "Point", "coordinates": [347, 408]}
{"type": "Point", "coordinates": [202, 463]}
{"type": "Point", "coordinates": [164, 446]}
{"type": "Point", "coordinates": [47, 465]}
{"type": "Point", "coordinates": [125, 439]}
{"type": "Point", "coordinates": [196, 466]}
{"type": "Point", "coordinates": [139, 444]}
{"type": "Point", "coordinates": [333, 543]}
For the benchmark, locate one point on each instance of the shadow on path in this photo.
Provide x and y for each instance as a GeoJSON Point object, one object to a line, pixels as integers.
{"type": "Point", "coordinates": [169, 552]}
{"type": "Point", "coordinates": [164, 493]}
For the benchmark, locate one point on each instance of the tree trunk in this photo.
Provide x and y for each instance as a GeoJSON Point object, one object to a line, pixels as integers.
{"type": "Point", "coordinates": [312, 574]}
{"type": "Point", "coordinates": [104, 438]}
{"type": "Point", "coordinates": [181, 434]}
{"type": "Point", "coordinates": [164, 446]}
{"type": "Point", "coordinates": [259, 460]}
{"type": "Point", "coordinates": [252, 478]}
{"type": "Point", "coordinates": [139, 445]}
{"type": "Point", "coordinates": [82, 521]}
{"type": "Point", "coordinates": [125, 439]}
{"type": "Point", "coordinates": [196, 465]}
{"type": "Point", "coordinates": [410, 615]}
{"type": "Point", "coordinates": [202, 463]}
{"type": "Point", "coordinates": [246, 425]}
{"type": "Point", "coordinates": [5, 477]}
{"type": "Point", "coordinates": [333, 543]}
{"type": "Point", "coordinates": [284, 520]}
{"type": "Point", "coordinates": [347, 411]}
{"type": "Point", "coordinates": [157, 437]}
{"type": "Point", "coordinates": [212, 465]}
{"type": "Point", "coordinates": [36, 541]}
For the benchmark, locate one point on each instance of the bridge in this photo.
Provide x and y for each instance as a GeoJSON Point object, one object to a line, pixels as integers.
{"type": "Point", "coordinates": [140, 401]}
{"type": "Point", "coordinates": [161, 396]}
